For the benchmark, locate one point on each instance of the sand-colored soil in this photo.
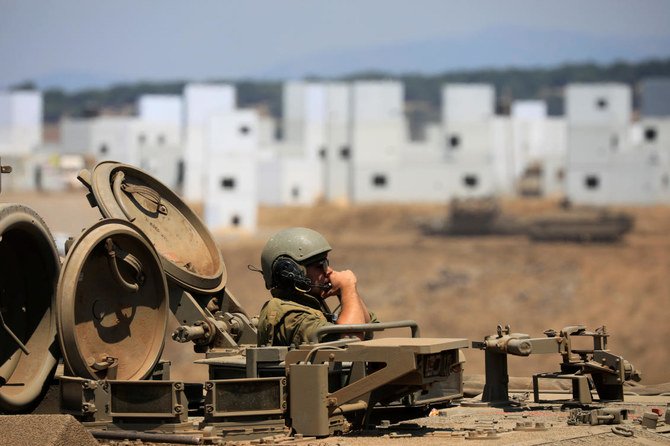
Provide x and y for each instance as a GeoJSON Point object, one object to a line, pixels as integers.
{"type": "Point", "coordinates": [464, 287]}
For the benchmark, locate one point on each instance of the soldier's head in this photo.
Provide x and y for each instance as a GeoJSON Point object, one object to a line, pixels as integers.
{"type": "Point", "coordinates": [295, 259]}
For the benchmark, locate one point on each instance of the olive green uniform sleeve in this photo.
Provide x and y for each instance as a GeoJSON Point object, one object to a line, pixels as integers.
{"type": "Point", "coordinates": [284, 322]}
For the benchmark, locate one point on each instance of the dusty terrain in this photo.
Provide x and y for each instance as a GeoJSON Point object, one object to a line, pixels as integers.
{"type": "Point", "coordinates": [464, 287]}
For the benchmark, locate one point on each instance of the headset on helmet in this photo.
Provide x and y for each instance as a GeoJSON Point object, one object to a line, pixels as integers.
{"type": "Point", "coordinates": [287, 274]}
{"type": "Point", "coordinates": [284, 255]}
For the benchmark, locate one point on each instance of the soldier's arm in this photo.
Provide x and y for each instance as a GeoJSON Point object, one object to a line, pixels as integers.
{"type": "Point", "coordinates": [354, 310]}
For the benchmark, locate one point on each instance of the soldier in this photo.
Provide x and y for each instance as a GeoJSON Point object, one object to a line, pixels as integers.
{"type": "Point", "coordinates": [295, 268]}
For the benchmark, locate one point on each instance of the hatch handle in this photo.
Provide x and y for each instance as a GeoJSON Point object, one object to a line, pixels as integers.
{"type": "Point", "coordinates": [13, 336]}
{"type": "Point", "coordinates": [114, 252]}
{"type": "Point", "coordinates": [146, 192]}
{"type": "Point", "coordinates": [359, 328]}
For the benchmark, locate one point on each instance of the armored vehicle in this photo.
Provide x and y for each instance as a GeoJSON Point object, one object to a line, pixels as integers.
{"type": "Point", "coordinates": [581, 224]}
{"type": "Point", "coordinates": [92, 333]}
{"type": "Point", "coordinates": [474, 216]}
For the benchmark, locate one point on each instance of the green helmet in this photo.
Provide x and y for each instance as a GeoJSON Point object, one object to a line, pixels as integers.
{"type": "Point", "coordinates": [298, 244]}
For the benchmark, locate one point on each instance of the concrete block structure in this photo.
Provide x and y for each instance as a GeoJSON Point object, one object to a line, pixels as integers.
{"type": "Point", "coordinates": [607, 162]}
{"type": "Point", "coordinates": [231, 159]}
{"type": "Point", "coordinates": [554, 156]}
{"type": "Point", "coordinates": [103, 138]}
{"type": "Point", "coordinates": [231, 196]}
{"type": "Point", "coordinates": [316, 149]}
{"type": "Point", "coordinates": [20, 122]}
{"type": "Point", "coordinates": [378, 125]}
{"type": "Point", "coordinates": [598, 104]}
{"type": "Point", "coordinates": [304, 117]}
{"type": "Point", "coordinates": [159, 139]}
{"type": "Point", "coordinates": [475, 157]}
{"type": "Point", "coordinates": [467, 103]}
{"type": "Point", "coordinates": [290, 181]}
{"type": "Point", "coordinates": [161, 109]}
{"type": "Point", "coordinates": [528, 127]}
{"type": "Point", "coordinates": [337, 153]}
{"type": "Point", "coordinates": [201, 102]}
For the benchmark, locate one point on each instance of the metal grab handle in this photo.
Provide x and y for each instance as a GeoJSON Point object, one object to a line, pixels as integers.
{"type": "Point", "coordinates": [357, 328]}
{"type": "Point", "coordinates": [13, 336]}
{"type": "Point", "coordinates": [130, 260]}
{"type": "Point", "coordinates": [150, 194]}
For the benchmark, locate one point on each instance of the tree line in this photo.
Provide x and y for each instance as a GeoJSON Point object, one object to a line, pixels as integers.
{"type": "Point", "coordinates": [422, 91]}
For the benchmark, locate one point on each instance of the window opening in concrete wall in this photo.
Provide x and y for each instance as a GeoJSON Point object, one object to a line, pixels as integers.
{"type": "Point", "coordinates": [322, 153]}
{"type": "Point", "coordinates": [235, 220]}
{"type": "Point", "coordinates": [295, 192]}
{"type": "Point", "coordinates": [470, 181]}
{"type": "Point", "coordinates": [650, 134]}
{"type": "Point", "coordinates": [345, 152]}
{"type": "Point", "coordinates": [244, 129]}
{"type": "Point", "coordinates": [103, 149]}
{"type": "Point", "coordinates": [592, 182]}
{"type": "Point", "coordinates": [160, 140]}
{"type": "Point", "coordinates": [601, 103]}
{"type": "Point", "coordinates": [379, 180]}
{"type": "Point", "coordinates": [141, 139]}
{"type": "Point", "coordinates": [228, 183]}
{"type": "Point", "coordinates": [454, 141]}
{"type": "Point", "coordinates": [665, 181]}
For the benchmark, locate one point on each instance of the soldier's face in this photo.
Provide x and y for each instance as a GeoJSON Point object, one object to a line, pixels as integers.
{"type": "Point", "coordinates": [317, 272]}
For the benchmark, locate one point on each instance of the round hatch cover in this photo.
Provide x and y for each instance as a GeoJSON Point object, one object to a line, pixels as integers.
{"type": "Point", "coordinates": [29, 266]}
{"type": "Point", "coordinates": [112, 303]}
{"type": "Point", "coordinates": [187, 249]}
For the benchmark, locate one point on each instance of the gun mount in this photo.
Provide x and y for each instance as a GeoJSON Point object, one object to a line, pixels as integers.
{"type": "Point", "coordinates": [587, 369]}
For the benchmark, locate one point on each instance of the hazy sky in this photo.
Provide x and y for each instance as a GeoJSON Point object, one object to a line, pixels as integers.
{"type": "Point", "coordinates": [128, 40]}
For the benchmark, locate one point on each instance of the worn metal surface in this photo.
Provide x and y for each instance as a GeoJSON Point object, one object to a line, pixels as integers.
{"type": "Point", "coordinates": [187, 249]}
{"type": "Point", "coordinates": [29, 267]}
{"type": "Point", "coordinates": [107, 330]}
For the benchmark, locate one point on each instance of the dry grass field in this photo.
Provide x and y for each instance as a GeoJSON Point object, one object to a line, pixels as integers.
{"type": "Point", "coordinates": [465, 286]}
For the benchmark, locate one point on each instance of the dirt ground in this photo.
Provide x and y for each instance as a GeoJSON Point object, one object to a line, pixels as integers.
{"type": "Point", "coordinates": [464, 286]}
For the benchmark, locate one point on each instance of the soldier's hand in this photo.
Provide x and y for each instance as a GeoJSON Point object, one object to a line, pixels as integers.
{"type": "Point", "coordinates": [341, 281]}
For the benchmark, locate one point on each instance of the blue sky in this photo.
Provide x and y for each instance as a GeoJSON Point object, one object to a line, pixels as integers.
{"type": "Point", "coordinates": [80, 43]}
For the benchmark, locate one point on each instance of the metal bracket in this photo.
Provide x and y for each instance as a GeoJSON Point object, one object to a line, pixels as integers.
{"type": "Point", "coordinates": [4, 169]}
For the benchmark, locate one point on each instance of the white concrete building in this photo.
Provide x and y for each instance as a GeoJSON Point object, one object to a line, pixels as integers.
{"type": "Point", "coordinates": [201, 102]}
{"type": "Point", "coordinates": [289, 181]}
{"type": "Point", "coordinates": [102, 138]}
{"type": "Point", "coordinates": [539, 140]}
{"type": "Point", "coordinates": [161, 109]}
{"type": "Point", "coordinates": [378, 125]}
{"type": "Point", "coordinates": [312, 161]}
{"type": "Point", "coordinates": [160, 139]}
{"type": "Point", "coordinates": [607, 162]}
{"type": "Point", "coordinates": [231, 160]}
{"type": "Point", "coordinates": [20, 122]}
{"type": "Point", "coordinates": [476, 158]}
{"type": "Point", "coordinates": [598, 104]}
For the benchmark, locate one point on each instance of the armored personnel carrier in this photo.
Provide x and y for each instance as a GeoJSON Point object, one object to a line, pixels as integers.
{"type": "Point", "coordinates": [90, 334]}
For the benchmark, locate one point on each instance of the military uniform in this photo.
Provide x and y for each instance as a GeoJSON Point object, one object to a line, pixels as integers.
{"type": "Point", "coordinates": [291, 320]}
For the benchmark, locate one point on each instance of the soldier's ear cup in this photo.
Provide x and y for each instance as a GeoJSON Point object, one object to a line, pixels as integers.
{"type": "Point", "coordinates": [287, 274]}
